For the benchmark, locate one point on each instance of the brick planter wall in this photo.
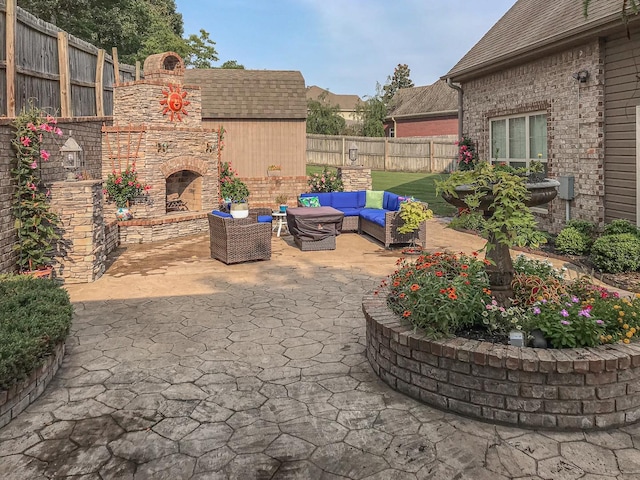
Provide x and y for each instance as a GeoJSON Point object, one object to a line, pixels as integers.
{"type": "Point", "coordinates": [582, 388]}
{"type": "Point", "coordinates": [23, 394]}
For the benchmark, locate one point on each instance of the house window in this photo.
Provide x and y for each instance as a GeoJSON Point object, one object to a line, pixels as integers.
{"type": "Point", "coordinates": [392, 132]}
{"type": "Point", "coordinates": [517, 140]}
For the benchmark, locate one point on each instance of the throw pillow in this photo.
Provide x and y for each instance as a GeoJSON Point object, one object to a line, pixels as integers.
{"type": "Point", "coordinates": [309, 201]}
{"type": "Point", "coordinates": [374, 199]}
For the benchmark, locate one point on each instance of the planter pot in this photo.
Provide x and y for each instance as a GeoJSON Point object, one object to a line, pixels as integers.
{"type": "Point", "coordinates": [46, 272]}
{"type": "Point", "coordinates": [123, 214]}
{"type": "Point", "coordinates": [283, 208]}
{"type": "Point", "coordinates": [274, 173]}
{"type": "Point", "coordinates": [239, 210]}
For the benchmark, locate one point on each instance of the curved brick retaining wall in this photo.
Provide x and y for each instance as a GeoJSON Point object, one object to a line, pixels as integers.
{"type": "Point", "coordinates": [582, 388]}
{"type": "Point", "coordinates": [23, 394]}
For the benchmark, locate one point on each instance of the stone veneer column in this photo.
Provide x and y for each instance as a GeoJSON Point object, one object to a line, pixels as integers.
{"type": "Point", "coordinates": [355, 178]}
{"type": "Point", "coordinates": [81, 254]}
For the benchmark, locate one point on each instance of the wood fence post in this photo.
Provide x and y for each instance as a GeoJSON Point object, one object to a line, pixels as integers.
{"type": "Point", "coordinates": [430, 156]}
{"type": "Point", "coordinates": [137, 70]}
{"type": "Point", "coordinates": [116, 65]}
{"type": "Point", "coordinates": [386, 153]}
{"type": "Point", "coordinates": [99, 89]}
{"type": "Point", "coordinates": [10, 55]}
{"type": "Point", "coordinates": [66, 109]}
{"type": "Point", "coordinates": [343, 151]}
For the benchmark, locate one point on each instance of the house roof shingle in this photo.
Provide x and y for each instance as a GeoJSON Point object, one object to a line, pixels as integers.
{"type": "Point", "coordinates": [533, 27]}
{"type": "Point", "coordinates": [422, 101]}
{"type": "Point", "coordinates": [250, 94]}
{"type": "Point", "coordinates": [345, 102]}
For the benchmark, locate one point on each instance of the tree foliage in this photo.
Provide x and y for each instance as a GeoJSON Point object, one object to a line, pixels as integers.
{"type": "Point", "coordinates": [371, 114]}
{"type": "Point", "coordinates": [137, 28]}
{"type": "Point", "coordinates": [399, 80]}
{"type": "Point", "coordinates": [232, 64]}
{"type": "Point", "coordinates": [323, 118]}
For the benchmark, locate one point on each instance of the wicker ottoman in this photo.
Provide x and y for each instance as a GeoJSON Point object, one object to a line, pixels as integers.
{"type": "Point", "coordinates": [328, 243]}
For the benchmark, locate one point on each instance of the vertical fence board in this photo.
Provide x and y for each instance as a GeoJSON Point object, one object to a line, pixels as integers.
{"type": "Point", "coordinates": [65, 75]}
{"type": "Point", "coordinates": [10, 45]}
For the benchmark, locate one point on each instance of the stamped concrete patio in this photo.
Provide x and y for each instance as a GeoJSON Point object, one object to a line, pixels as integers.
{"type": "Point", "coordinates": [180, 367]}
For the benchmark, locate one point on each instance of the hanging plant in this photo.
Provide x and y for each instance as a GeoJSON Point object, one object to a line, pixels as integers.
{"type": "Point", "coordinates": [35, 223]}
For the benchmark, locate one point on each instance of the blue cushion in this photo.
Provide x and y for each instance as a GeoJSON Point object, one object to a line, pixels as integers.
{"type": "Point", "coordinates": [218, 213]}
{"type": "Point", "coordinates": [344, 200]}
{"type": "Point", "coordinates": [390, 201]}
{"type": "Point", "coordinates": [375, 215]}
{"type": "Point", "coordinates": [265, 218]}
{"type": "Point", "coordinates": [350, 212]}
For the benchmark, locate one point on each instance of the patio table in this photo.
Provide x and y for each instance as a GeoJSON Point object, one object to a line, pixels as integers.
{"type": "Point", "coordinates": [315, 228]}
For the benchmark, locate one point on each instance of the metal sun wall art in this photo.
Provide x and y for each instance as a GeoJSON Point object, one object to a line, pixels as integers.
{"type": "Point", "coordinates": [174, 102]}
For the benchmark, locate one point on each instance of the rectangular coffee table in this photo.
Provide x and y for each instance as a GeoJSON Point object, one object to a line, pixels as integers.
{"type": "Point", "coordinates": [315, 228]}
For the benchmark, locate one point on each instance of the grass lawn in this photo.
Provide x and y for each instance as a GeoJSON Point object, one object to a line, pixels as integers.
{"type": "Point", "coordinates": [419, 185]}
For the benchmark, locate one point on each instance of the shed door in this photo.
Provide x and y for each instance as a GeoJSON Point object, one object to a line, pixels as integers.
{"type": "Point", "coordinates": [622, 95]}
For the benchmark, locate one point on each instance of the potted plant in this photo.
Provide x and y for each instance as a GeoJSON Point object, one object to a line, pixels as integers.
{"type": "Point", "coordinates": [413, 213]}
{"type": "Point", "coordinates": [237, 193]}
{"type": "Point", "coordinates": [274, 170]}
{"type": "Point", "coordinates": [503, 196]}
{"type": "Point", "coordinates": [35, 223]}
{"type": "Point", "coordinates": [122, 187]}
{"type": "Point", "coordinates": [281, 201]}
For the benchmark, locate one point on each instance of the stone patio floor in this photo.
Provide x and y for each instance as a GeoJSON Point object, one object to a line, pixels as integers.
{"type": "Point", "coordinates": [180, 367]}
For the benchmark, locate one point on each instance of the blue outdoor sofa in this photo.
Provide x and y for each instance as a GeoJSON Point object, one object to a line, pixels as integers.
{"type": "Point", "coordinates": [380, 223]}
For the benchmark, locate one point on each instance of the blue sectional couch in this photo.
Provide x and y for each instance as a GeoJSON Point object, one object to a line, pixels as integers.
{"type": "Point", "coordinates": [380, 223]}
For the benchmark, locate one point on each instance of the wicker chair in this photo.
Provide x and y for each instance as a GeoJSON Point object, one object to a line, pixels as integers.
{"type": "Point", "coordinates": [234, 240]}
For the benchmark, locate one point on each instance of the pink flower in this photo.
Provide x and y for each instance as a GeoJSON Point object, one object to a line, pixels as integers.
{"type": "Point", "coordinates": [51, 119]}
{"type": "Point", "coordinates": [32, 186]}
{"type": "Point", "coordinates": [34, 164]}
{"type": "Point", "coordinates": [26, 141]}
{"type": "Point", "coordinates": [31, 127]}
{"type": "Point", "coordinates": [57, 131]}
{"type": "Point", "coordinates": [44, 155]}
{"type": "Point", "coordinates": [564, 313]}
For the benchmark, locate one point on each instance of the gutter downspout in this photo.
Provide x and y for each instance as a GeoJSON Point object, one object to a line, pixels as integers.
{"type": "Point", "coordinates": [395, 127]}
{"type": "Point", "coordinates": [457, 87]}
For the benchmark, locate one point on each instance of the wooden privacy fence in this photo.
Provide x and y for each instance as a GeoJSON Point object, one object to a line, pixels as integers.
{"type": "Point", "coordinates": [415, 154]}
{"type": "Point", "coordinates": [57, 71]}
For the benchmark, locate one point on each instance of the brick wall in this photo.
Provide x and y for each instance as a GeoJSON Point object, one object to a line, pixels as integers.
{"type": "Point", "coordinates": [427, 127]}
{"type": "Point", "coordinates": [355, 178]}
{"type": "Point", "coordinates": [263, 191]}
{"type": "Point", "coordinates": [582, 388]}
{"type": "Point", "coordinates": [82, 254]}
{"type": "Point", "coordinates": [575, 120]}
{"type": "Point", "coordinates": [86, 131]}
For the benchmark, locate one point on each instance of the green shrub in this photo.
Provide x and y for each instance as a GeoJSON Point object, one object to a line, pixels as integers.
{"type": "Point", "coordinates": [620, 226]}
{"type": "Point", "coordinates": [35, 315]}
{"type": "Point", "coordinates": [583, 226]}
{"type": "Point", "coordinates": [616, 253]}
{"type": "Point", "coordinates": [572, 241]}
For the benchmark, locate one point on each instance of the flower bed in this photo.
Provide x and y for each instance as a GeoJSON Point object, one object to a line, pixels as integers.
{"type": "Point", "coordinates": [581, 388]}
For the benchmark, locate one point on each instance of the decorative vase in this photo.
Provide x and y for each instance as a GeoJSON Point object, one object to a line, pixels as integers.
{"type": "Point", "coordinates": [123, 214]}
{"type": "Point", "coordinates": [239, 210]}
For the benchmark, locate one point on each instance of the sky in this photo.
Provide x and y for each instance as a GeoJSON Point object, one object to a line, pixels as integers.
{"type": "Point", "coordinates": [344, 46]}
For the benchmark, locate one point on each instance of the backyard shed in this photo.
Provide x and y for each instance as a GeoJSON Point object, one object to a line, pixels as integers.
{"type": "Point", "coordinates": [263, 113]}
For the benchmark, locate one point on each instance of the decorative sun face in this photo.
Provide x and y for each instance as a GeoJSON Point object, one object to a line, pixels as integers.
{"type": "Point", "coordinates": [174, 102]}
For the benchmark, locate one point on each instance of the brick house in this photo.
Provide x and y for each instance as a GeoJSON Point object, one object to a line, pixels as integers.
{"type": "Point", "coordinates": [546, 82]}
{"type": "Point", "coordinates": [426, 111]}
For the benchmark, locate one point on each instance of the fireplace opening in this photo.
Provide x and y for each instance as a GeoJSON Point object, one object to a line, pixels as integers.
{"type": "Point", "coordinates": [184, 192]}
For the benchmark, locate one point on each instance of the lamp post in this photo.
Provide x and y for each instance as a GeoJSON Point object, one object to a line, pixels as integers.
{"type": "Point", "coordinates": [71, 158]}
{"type": "Point", "coordinates": [353, 153]}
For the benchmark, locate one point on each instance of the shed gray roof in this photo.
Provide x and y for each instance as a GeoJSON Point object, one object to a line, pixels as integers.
{"type": "Point", "coordinates": [249, 94]}
{"type": "Point", "coordinates": [534, 27]}
{"type": "Point", "coordinates": [437, 98]}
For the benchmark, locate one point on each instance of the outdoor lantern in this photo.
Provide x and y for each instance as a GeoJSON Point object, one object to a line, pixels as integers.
{"type": "Point", "coordinates": [353, 153]}
{"type": "Point", "coordinates": [71, 158]}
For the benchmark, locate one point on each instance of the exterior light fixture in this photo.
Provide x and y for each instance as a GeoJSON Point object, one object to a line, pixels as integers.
{"type": "Point", "coordinates": [353, 153]}
{"type": "Point", "coordinates": [581, 76]}
{"type": "Point", "coordinates": [71, 158]}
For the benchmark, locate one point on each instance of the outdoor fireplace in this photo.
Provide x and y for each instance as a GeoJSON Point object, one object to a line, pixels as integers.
{"type": "Point", "coordinates": [184, 192]}
{"type": "Point", "coordinates": [157, 126]}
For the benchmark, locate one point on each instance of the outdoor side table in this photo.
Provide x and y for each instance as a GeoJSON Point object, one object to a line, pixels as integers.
{"type": "Point", "coordinates": [280, 222]}
{"type": "Point", "coordinates": [315, 228]}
